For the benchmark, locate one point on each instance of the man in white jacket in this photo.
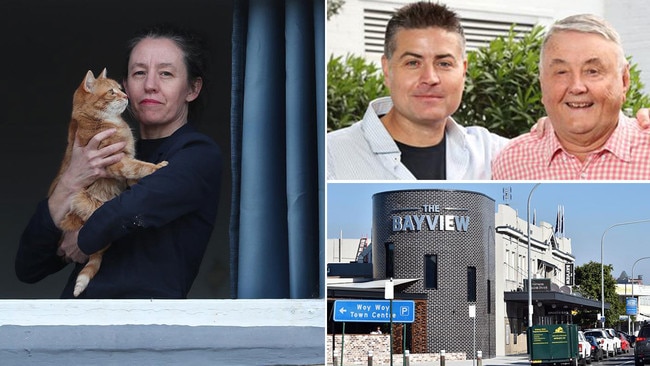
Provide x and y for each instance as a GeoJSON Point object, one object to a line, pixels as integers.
{"type": "Point", "coordinates": [411, 135]}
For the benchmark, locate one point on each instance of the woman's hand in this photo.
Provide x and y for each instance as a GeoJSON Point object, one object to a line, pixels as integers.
{"type": "Point", "coordinates": [87, 164]}
{"type": "Point", "coordinates": [70, 250]}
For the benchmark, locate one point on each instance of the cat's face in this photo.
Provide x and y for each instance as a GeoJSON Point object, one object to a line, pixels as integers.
{"type": "Point", "coordinates": [101, 97]}
{"type": "Point", "coordinates": [110, 95]}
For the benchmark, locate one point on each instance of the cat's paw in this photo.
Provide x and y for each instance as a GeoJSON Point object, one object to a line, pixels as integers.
{"type": "Point", "coordinates": [161, 164]}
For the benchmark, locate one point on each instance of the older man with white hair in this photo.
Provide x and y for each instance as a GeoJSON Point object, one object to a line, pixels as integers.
{"type": "Point", "coordinates": [584, 77]}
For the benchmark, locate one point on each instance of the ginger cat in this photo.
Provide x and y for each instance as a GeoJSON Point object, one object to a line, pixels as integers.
{"type": "Point", "coordinates": [97, 106]}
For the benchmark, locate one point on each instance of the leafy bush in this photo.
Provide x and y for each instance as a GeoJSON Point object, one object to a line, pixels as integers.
{"type": "Point", "coordinates": [333, 7]}
{"type": "Point", "coordinates": [502, 91]}
{"type": "Point", "coordinates": [636, 99]}
{"type": "Point", "coordinates": [351, 84]}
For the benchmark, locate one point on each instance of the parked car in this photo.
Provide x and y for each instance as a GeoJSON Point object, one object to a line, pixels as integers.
{"type": "Point", "coordinates": [625, 343]}
{"type": "Point", "coordinates": [642, 346]}
{"type": "Point", "coordinates": [629, 337]}
{"type": "Point", "coordinates": [584, 348]}
{"type": "Point", "coordinates": [605, 341]}
{"type": "Point", "coordinates": [596, 350]}
{"type": "Point", "coordinates": [617, 341]}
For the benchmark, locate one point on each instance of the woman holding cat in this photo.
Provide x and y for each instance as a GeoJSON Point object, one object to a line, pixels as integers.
{"type": "Point", "coordinates": [158, 229]}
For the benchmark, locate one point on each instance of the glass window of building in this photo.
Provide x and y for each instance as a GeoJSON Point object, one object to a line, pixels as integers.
{"type": "Point", "coordinates": [431, 271]}
{"type": "Point", "coordinates": [471, 284]}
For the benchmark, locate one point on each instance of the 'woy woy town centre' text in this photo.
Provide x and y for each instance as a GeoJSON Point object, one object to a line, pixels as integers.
{"type": "Point", "coordinates": [431, 218]}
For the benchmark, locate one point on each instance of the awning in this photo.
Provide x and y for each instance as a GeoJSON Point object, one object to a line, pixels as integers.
{"type": "Point", "coordinates": [346, 288]}
{"type": "Point", "coordinates": [550, 297]}
{"type": "Point", "coordinates": [547, 264]}
{"type": "Point", "coordinates": [642, 318]}
{"type": "Point", "coordinates": [367, 285]}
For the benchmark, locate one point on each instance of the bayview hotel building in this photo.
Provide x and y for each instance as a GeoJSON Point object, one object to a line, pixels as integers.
{"type": "Point", "coordinates": [441, 237]}
{"type": "Point", "coordinates": [450, 247]}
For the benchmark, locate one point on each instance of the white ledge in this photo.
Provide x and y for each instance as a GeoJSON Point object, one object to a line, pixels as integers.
{"type": "Point", "coordinates": [239, 313]}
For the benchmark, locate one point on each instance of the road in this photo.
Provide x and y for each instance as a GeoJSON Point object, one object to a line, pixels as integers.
{"type": "Point", "coordinates": [623, 359]}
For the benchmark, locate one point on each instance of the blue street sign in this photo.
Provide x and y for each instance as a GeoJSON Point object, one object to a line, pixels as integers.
{"type": "Point", "coordinates": [374, 311]}
{"type": "Point", "coordinates": [630, 306]}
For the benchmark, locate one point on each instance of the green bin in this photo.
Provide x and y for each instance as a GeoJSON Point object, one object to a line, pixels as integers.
{"type": "Point", "coordinates": [555, 344]}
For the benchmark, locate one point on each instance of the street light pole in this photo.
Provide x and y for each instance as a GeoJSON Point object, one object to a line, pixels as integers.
{"type": "Point", "coordinates": [530, 282]}
{"type": "Point", "coordinates": [602, 265]}
{"type": "Point", "coordinates": [637, 304]}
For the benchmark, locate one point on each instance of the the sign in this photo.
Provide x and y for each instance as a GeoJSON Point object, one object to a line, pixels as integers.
{"type": "Point", "coordinates": [472, 311]}
{"type": "Point", "coordinates": [430, 218]}
{"type": "Point", "coordinates": [569, 278]}
{"type": "Point", "coordinates": [374, 311]}
{"type": "Point", "coordinates": [631, 306]}
{"type": "Point", "coordinates": [389, 290]}
{"type": "Point", "coordinates": [539, 284]}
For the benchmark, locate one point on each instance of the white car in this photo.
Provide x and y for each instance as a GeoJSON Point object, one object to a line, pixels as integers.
{"type": "Point", "coordinates": [584, 347]}
{"type": "Point", "coordinates": [607, 344]}
{"type": "Point", "coordinates": [612, 333]}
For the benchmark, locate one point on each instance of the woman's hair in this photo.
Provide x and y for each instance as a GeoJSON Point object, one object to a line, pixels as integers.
{"type": "Point", "coordinates": [195, 57]}
{"type": "Point", "coordinates": [421, 15]}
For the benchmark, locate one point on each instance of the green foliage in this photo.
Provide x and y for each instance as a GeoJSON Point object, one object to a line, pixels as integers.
{"type": "Point", "coordinates": [635, 97]}
{"type": "Point", "coordinates": [588, 284]}
{"type": "Point", "coordinates": [502, 91]}
{"type": "Point", "coordinates": [333, 7]}
{"type": "Point", "coordinates": [351, 84]}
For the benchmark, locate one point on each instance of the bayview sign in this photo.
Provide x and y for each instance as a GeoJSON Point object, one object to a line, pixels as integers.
{"type": "Point", "coordinates": [432, 217]}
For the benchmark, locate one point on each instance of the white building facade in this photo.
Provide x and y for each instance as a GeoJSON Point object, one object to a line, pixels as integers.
{"type": "Point", "coordinates": [552, 265]}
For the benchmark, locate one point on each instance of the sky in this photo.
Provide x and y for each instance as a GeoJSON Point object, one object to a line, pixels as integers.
{"type": "Point", "coordinates": [590, 211]}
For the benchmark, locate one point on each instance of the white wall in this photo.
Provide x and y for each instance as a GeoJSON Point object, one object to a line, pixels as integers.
{"type": "Point", "coordinates": [162, 332]}
{"type": "Point", "coordinates": [348, 250]}
{"type": "Point", "coordinates": [630, 18]}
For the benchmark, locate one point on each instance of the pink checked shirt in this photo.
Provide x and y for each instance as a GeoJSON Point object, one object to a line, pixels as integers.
{"type": "Point", "coordinates": [626, 155]}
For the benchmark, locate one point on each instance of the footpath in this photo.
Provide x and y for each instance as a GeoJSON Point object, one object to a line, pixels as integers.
{"type": "Point", "coordinates": [500, 361]}
{"type": "Point", "coordinates": [497, 361]}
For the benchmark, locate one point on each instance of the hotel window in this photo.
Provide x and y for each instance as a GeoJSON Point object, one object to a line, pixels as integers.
{"type": "Point", "coordinates": [489, 297]}
{"type": "Point", "coordinates": [390, 260]}
{"type": "Point", "coordinates": [471, 284]}
{"type": "Point", "coordinates": [431, 271]}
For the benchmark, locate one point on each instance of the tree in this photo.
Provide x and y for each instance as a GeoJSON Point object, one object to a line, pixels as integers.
{"type": "Point", "coordinates": [588, 285]}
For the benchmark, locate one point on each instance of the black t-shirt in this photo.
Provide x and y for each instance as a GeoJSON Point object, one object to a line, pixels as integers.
{"type": "Point", "coordinates": [425, 162]}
